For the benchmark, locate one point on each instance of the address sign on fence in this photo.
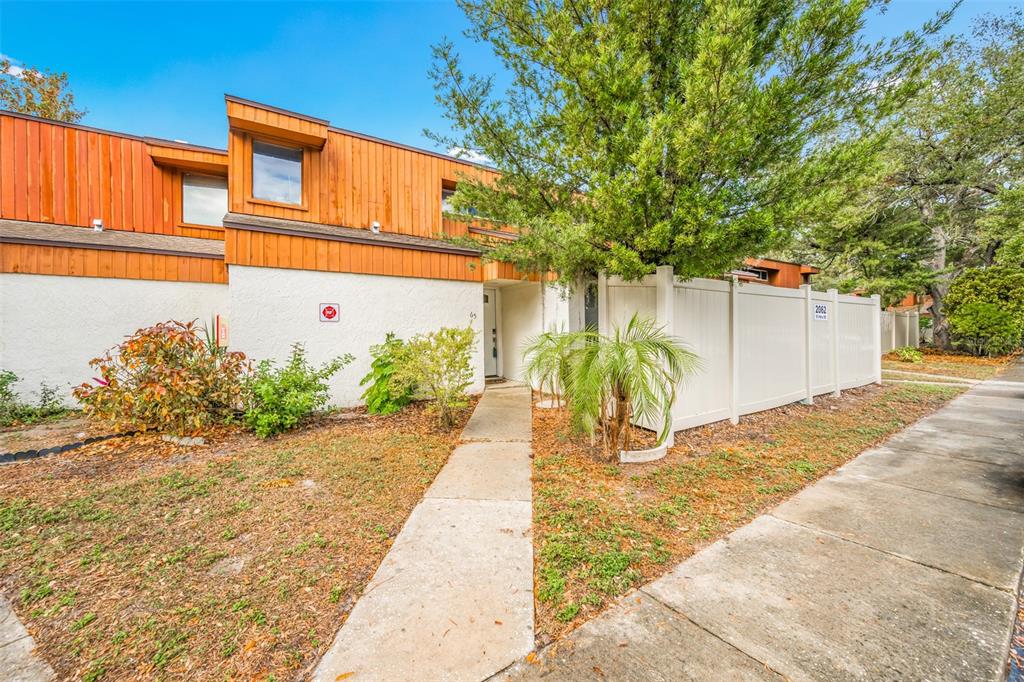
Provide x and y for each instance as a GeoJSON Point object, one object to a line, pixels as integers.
{"type": "Point", "coordinates": [821, 311]}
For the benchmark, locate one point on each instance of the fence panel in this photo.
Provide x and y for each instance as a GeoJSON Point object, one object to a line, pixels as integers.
{"type": "Point", "coordinates": [625, 299]}
{"type": "Point", "coordinates": [823, 358]}
{"type": "Point", "coordinates": [771, 342]}
{"type": "Point", "coordinates": [760, 347]}
{"type": "Point", "coordinates": [888, 325]}
{"type": "Point", "coordinates": [857, 350]}
{"type": "Point", "coordinates": [702, 321]}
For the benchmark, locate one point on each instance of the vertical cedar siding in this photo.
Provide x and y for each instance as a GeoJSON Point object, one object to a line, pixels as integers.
{"type": "Point", "coordinates": [52, 173]}
{"type": "Point", "coordinates": [352, 182]}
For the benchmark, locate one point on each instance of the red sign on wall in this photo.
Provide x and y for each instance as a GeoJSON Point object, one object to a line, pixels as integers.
{"type": "Point", "coordinates": [329, 312]}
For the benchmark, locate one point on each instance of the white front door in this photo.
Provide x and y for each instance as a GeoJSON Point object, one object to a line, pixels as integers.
{"type": "Point", "coordinates": [490, 334]}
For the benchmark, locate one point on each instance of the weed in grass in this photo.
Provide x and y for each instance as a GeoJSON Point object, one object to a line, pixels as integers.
{"type": "Point", "coordinates": [336, 593]}
{"type": "Point", "coordinates": [119, 636]}
{"type": "Point", "coordinates": [83, 622]}
{"type": "Point", "coordinates": [568, 613]}
{"type": "Point", "coordinates": [552, 585]}
{"type": "Point", "coordinates": [802, 467]}
{"type": "Point", "coordinates": [97, 670]}
{"type": "Point", "coordinates": [169, 646]}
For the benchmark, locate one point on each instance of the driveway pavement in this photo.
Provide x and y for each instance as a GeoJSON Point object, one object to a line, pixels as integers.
{"type": "Point", "coordinates": [902, 565]}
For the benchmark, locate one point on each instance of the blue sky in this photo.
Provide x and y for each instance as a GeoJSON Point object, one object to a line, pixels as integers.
{"type": "Point", "coordinates": [162, 68]}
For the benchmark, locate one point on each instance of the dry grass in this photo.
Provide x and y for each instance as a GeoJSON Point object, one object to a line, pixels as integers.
{"type": "Point", "coordinates": [601, 529]}
{"type": "Point", "coordinates": [949, 364]}
{"type": "Point", "coordinates": [119, 556]}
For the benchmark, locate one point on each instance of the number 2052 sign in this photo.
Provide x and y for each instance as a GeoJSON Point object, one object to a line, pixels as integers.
{"type": "Point", "coordinates": [821, 311]}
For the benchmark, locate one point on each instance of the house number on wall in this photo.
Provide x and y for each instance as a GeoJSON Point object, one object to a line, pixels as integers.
{"type": "Point", "coordinates": [329, 312]}
{"type": "Point", "coordinates": [821, 311]}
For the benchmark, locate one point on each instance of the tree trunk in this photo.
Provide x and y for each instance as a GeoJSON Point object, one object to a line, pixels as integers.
{"type": "Point", "coordinates": [939, 287]}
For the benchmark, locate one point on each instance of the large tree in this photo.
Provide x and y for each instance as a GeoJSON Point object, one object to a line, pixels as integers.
{"type": "Point", "coordinates": [693, 133]}
{"type": "Point", "coordinates": [950, 194]}
{"type": "Point", "coordinates": [39, 93]}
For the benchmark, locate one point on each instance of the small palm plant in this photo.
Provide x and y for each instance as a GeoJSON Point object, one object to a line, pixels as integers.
{"type": "Point", "coordinates": [609, 381]}
{"type": "Point", "coordinates": [547, 361]}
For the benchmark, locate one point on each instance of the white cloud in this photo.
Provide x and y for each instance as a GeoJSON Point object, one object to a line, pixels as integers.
{"type": "Point", "coordinates": [470, 155]}
{"type": "Point", "coordinates": [14, 69]}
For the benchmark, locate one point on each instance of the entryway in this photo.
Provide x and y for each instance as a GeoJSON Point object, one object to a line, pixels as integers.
{"type": "Point", "coordinates": [490, 333]}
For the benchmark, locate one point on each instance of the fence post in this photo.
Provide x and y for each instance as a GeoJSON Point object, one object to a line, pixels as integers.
{"type": "Point", "coordinates": [664, 311]}
{"type": "Point", "coordinates": [876, 301]}
{"type": "Point", "coordinates": [602, 303]}
{"type": "Point", "coordinates": [915, 328]}
{"type": "Point", "coordinates": [734, 350]}
{"type": "Point", "coordinates": [833, 295]}
{"type": "Point", "coordinates": [808, 331]}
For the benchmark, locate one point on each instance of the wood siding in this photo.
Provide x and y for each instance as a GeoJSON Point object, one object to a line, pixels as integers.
{"type": "Point", "coordinates": [61, 174]}
{"type": "Point", "coordinates": [58, 260]}
{"type": "Point", "coordinates": [246, 247]}
{"type": "Point", "coordinates": [354, 181]}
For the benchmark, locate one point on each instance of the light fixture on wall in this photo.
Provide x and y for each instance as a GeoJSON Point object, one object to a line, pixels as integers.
{"type": "Point", "coordinates": [375, 227]}
{"type": "Point", "coordinates": [97, 224]}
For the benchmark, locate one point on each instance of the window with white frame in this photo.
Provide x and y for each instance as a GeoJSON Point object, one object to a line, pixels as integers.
{"type": "Point", "coordinates": [753, 273]}
{"type": "Point", "coordinates": [276, 173]}
{"type": "Point", "coordinates": [204, 199]}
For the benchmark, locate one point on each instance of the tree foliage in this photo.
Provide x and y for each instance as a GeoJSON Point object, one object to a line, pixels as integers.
{"type": "Point", "coordinates": [948, 190]}
{"type": "Point", "coordinates": [691, 133]}
{"type": "Point", "coordinates": [986, 309]}
{"type": "Point", "coordinates": [40, 93]}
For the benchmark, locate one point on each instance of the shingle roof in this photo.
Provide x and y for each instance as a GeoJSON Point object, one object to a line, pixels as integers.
{"type": "Point", "coordinates": [23, 232]}
{"type": "Point", "coordinates": [344, 234]}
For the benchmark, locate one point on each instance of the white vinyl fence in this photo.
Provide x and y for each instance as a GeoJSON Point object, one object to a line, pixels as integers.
{"type": "Point", "coordinates": [759, 346]}
{"type": "Point", "coordinates": [900, 329]}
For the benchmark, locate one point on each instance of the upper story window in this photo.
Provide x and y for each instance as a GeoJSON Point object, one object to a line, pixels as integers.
{"type": "Point", "coordinates": [446, 200]}
{"type": "Point", "coordinates": [756, 273]}
{"type": "Point", "coordinates": [204, 199]}
{"type": "Point", "coordinates": [276, 173]}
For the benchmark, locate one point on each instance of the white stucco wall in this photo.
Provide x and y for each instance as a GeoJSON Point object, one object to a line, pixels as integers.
{"type": "Point", "coordinates": [558, 309]}
{"type": "Point", "coordinates": [521, 318]}
{"type": "Point", "coordinates": [271, 308]}
{"type": "Point", "coordinates": [51, 326]}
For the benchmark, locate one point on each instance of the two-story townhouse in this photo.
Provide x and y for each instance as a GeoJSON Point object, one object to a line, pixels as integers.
{"type": "Point", "coordinates": [297, 232]}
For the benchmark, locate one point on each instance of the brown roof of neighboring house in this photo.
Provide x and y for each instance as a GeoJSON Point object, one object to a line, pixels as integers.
{"type": "Point", "coordinates": [47, 234]}
{"type": "Point", "coordinates": [339, 233]}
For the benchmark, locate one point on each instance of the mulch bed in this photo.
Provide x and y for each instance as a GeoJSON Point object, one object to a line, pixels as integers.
{"type": "Point", "coordinates": [601, 528]}
{"type": "Point", "coordinates": [950, 363]}
{"type": "Point", "coordinates": [240, 558]}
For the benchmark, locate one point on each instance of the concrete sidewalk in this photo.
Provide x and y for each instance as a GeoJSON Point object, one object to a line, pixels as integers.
{"type": "Point", "coordinates": [453, 599]}
{"type": "Point", "coordinates": [904, 564]}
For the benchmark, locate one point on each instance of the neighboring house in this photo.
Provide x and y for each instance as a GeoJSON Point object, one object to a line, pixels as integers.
{"type": "Point", "coordinates": [297, 232]}
{"type": "Point", "coordinates": [777, 273]}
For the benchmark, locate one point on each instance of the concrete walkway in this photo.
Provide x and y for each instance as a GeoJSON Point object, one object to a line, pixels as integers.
{"type": "Point", "coordinates": [904, 564]}
{"type": "Point", "coordinates": [18, 660]}
{"type": "Point", "coordinates": [453, 599]}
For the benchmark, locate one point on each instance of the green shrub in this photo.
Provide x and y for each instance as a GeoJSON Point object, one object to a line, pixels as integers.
{"type": "Point", "coordinates": [165, 378]}
{"type": "Point", "coordinates": [279, 398]}
{"type": "Point", "coordinates": [985, 308]}
{"type": "Point", "coordinates": [382, 396]}
{"type": "Point", "coordinates": [13, 411]}
{"type": "Point", "coordinates": [985, 329]}
{"type": "Point", "coordinates": [908, 354]}
{"type": "Point", "coordinates": [437, 366]}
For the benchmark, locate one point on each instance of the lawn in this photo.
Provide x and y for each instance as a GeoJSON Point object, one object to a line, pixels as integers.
{"type": "Point", "coordinates": [947, 364]}
{"type": "Point", "coordinates": [601, 529]}
{"type": "Point", "coordinates": [238, 559]}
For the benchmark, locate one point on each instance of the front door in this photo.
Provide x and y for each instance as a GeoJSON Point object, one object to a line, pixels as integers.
{"type": "Point", "coordinates": [490, 334]}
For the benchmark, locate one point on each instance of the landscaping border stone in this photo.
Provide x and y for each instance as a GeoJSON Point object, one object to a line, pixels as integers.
{"type": "Point", "coordinates": [9, 457]}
